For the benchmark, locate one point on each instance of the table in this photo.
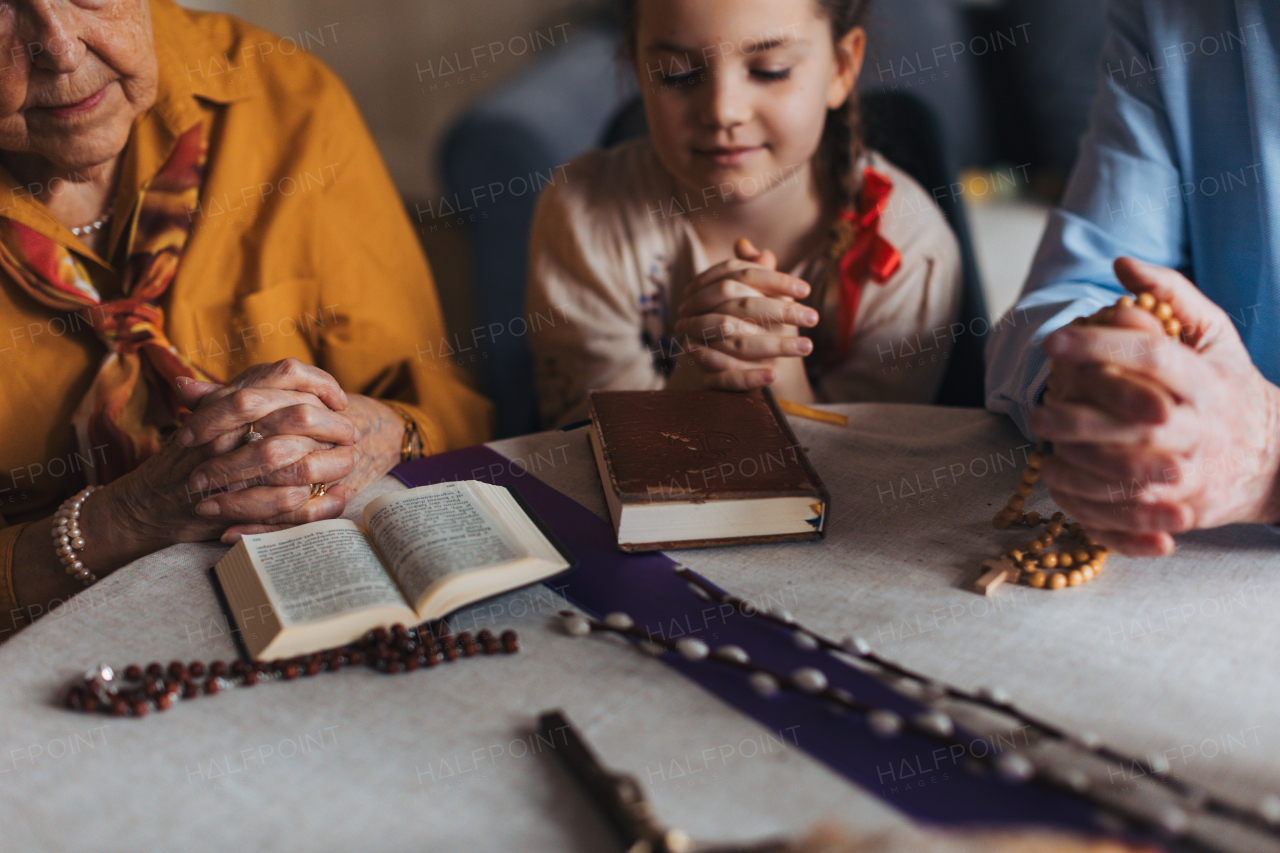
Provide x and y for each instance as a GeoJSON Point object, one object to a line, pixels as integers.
{"type": "Point", "coordinates": [1179, 655]}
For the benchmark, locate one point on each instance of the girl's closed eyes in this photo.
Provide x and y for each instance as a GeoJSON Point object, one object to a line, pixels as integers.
{"type": "Point", "coordinates": [752, 143]}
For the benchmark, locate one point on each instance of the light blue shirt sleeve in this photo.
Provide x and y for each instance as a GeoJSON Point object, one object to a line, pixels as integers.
{"type": "Point", "coordinates": [1124, 199]}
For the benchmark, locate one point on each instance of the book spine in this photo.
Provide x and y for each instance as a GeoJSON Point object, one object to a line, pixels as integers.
{"type": "Point", "coordinates": [809, 470]}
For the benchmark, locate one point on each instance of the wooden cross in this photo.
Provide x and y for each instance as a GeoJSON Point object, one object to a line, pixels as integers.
{"type": "Point", "coordinates": [995, 573]}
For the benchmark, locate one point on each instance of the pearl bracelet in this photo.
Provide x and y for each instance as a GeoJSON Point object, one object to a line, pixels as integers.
{"type": "Point", "coordinates": [68, 539]}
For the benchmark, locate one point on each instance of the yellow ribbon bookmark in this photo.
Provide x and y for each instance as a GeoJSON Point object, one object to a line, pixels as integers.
{"type": "Point", "coordinates": [812, 414]}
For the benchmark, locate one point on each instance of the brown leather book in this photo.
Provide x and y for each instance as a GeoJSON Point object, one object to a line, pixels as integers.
{"type": "Point", "coordinates": [685, 469]}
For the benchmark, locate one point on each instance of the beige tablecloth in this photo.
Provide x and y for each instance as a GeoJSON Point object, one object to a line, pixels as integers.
{"type": "Point", "coordinates": [1179, 656]}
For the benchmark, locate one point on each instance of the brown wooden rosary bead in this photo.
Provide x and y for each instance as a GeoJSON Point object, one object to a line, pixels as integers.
{"type": "Point", "coordinates": [1033, 519]}
{"type": "Point", "coordinates": [1054, 529]}
{"type": "Point", "coordinates": [211, 685]}
{"type": "Point", "coordinates": [1035, 546]}
{"type": "Point", "coordinates": [1049, 561]}
{"type": "Point", "coordinates": [1082, 556]}
{"type": "Point", "coordinates": [1146, 301]}
{"type": "Point", "coordinates": [1037, 579]}
{"type": "Point", "coordinates": [1075, 578]}
{"type": "Point", "coordinates": [190, 690]}
{"type": "Point", "coordinates": [196, 668]}
{"type": "Point", "coordinates": [251, 678]}
{"type": "Point", "coordinates": [290, 672]}
{"type": "Point", "coordinates": [1087, 572]}
{"type": "Point", "coordinates": [1057, 581]}
{"type": "Point", "coordinates": [1028, 565]}
{"type": "Point", "coordinates": [1017, 502]}
{"type": "Point", "coordinates": [217, 669]}
{"type": "Point", "coordinates": [132, 672]}
{"type": "Point", "coordinates": [313, 668]}
{"type": "Point", "coordinates": [141, 708]}
{"type": "Point", "coordinates": [164, 702]}
{"type": "Point", "coordinates": [510, 642]}
{"type": "Point", "coordinates": [1014, 554]}
{"type": "Point", "coordinates": [1065, 560]}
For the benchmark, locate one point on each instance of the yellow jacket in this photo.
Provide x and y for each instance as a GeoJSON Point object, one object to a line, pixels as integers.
{"type": "Point", "coordinates": [301, 248]}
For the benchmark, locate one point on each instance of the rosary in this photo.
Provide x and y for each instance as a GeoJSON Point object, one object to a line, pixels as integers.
{"type": "Point", "coordinates": [139, 690]}
{"type": "Point", "coordinates": [1035, 564]}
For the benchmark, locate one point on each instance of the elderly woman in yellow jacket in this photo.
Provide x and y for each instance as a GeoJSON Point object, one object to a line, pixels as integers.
{"type": "Point", "coordinates": [216, 316]}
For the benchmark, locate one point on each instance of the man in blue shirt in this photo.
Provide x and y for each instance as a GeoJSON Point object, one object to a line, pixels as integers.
{"type": "Point", "coordinates": [1178, 182]}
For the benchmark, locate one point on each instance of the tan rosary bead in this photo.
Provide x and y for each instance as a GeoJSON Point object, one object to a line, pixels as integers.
{"type": "Point", "coordinates": [1084, 561]}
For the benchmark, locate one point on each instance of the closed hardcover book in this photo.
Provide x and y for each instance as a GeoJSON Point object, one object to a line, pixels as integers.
{"type": "Point", "coordinates": [686, 469]}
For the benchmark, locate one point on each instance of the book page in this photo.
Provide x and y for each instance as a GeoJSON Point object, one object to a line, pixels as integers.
{"type": "Point", "coordinates": [435, 532]}
{"type": "Point", "coordinates": [330, 569]}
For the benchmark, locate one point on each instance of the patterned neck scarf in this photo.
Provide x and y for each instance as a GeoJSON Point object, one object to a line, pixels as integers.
{"type": "Point", "coordinates": [130, 406]}
{"type": "Point", "coordinates": [868, 254]}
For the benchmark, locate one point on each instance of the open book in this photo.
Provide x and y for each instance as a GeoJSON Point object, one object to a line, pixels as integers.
{"type": "Point", "coordinates": [421, 554]}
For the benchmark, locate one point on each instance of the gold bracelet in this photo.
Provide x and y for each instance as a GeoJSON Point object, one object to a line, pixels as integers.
{"type": "Point", "coordinates": [411, 445]}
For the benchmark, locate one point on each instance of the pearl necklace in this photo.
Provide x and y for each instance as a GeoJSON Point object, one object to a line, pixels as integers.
{"type": "Point", "coordinates": [93, 227]}
{"type": "Point", "coordinates": [1035, 565]}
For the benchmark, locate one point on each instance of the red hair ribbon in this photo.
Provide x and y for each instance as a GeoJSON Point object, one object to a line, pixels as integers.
{"type": "Point", "coordinates": [870, 255]}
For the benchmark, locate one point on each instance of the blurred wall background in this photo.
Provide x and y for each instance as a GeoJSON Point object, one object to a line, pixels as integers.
{"type": "Point", "coordinates": [395, 55]}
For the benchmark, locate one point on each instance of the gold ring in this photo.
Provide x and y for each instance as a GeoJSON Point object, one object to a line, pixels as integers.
{"type": "Point", "coordinates": [318, 490]}
{"type": "Point", "coordinates": [253, 434]}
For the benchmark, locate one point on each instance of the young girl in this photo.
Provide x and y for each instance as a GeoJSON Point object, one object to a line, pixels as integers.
{"type": "Point", "coordinates": [750, 240]}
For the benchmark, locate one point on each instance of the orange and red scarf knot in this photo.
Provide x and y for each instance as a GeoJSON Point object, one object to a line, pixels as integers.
{"type": "Point", "coordinates": [130, 406]}
{"type": "Point", "coordinates": [126, 325]}
{"type": "Point", "coordinates": [869, 256]}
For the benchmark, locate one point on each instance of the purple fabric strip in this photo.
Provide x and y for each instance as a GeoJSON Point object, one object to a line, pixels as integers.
{"type": "Point", "coordinates": [909, 772]}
